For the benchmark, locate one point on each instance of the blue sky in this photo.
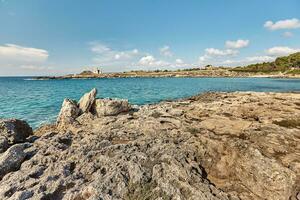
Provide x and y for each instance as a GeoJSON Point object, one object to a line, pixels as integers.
{"type": "Point", "coordinates": [57, 37]}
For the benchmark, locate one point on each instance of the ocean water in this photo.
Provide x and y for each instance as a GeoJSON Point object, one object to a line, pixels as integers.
{"type": "Point", "coordinates": [39, 101]}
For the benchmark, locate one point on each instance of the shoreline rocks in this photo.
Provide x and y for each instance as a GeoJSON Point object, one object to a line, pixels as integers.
{"type": "Point", "coordinates": [229, 146]}
{"type": "Point", "coordinates": [109, 107]}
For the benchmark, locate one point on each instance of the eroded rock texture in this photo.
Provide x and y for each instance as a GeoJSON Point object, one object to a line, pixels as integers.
{"type": "Point", "coordinates": [211, 146]}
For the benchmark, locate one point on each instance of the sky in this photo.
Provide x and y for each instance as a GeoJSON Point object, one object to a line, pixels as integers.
{"type": "Point", "coordinates": [56, 37]}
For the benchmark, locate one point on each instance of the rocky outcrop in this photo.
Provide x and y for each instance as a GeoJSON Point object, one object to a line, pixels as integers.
{"type": "Point", "coordinates": [87, 100]}
{"type": "Point", "coordinates": [107, 107]}
{"type": "Point", "coordinates": [14, 130]}
{"type": "Point", "coordinates": [68, 113]}
{"type": "Point", "coordinates": [225, 146]}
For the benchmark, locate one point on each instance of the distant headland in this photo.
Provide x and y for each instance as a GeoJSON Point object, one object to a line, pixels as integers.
{"type": "Point", "coordinates": [282, 67]}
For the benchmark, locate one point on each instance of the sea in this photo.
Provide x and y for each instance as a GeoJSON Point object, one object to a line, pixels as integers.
{"type": "Point", "coordinates": [39, 101]}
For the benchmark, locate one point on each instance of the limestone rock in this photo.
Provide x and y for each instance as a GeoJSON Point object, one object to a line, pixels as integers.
{"type": "Point", "coordinates": [68, 113]}
{"type": "Point", "coordinates": [15, 130]}
{"type": "Point", "coordinates": [109, 107]}
{"type": "Point", "coordinates": [3, 144]}
{"type": "Point", "coordinates": [87, 100]}
{"type": "Point", "coordinates": [12, 159]}
{"type": "Point", "coordinates": [216, 146]}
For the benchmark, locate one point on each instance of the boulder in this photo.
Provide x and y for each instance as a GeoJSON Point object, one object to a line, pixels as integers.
{"type": "Point", "coordinates": [12, 159]}
{"type": "Point", "coordinates": [108, 107]}
{"type": "Point", "coordinates": [87, 100]}
{"type": "Point", "coordinates": [3, 144]}
{"type": "Point", "coordinates": [68, 113]}
{"type": "Point", "coordinates": [15, 130]}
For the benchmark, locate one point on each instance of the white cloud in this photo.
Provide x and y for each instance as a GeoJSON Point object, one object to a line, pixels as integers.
{"type": "Point", "coordinates": [218, 52]}
{"type": "Point", "coordinates": [16, 53]}
{"type": "Point", "coordinates": [248, 60]}
{"type": "Point", "coordinates": [281, 51]}
{"type": "Point", "coordinates": [238, 44]}
{"type": "Point", "coordinates": [108, 57]}
{"type": "Point", "coordinates": [165, 51]}
{"type": "Point", "coordinates": [288, 34]}
{"type": "Point", "coordinates": [36, 67]}
{"type": "Point", "coordinates": [179, 61]}
{"type": "Point", "coordinates": [150, 61]}
{"type": "Point", "coordinates": [283, 24]}
{"type": "Point", "coordinates": [256, 59]}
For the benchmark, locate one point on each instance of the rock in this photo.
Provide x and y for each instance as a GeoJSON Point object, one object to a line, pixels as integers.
{"type": "Point", "coordinates": [14, 130]}
{"type": "Point", "coordinates": [210, 147]}
{"type": "Point", "coordinates": [87, 100]}
{"type": "Point", "coordinates": [12, 159]}
{"type": "Point", "coordinates": [68, 113]}
{"type": "Point", "coordinates": [3, 144]}
{"type": "Point", "coordinates": [109, 107]}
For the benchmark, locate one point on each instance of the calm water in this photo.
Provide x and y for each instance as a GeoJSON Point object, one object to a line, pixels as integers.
{"type": "Point", "coordinates": [39, 101]}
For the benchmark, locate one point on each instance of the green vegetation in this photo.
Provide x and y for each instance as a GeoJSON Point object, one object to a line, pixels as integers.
{"type": "Point", "coordinates": [290, 63]}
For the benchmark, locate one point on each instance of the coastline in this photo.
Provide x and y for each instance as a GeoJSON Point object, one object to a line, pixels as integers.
{"type": "Point", "coordinates": [215, 73]}
{"type": "Point", "coordinates": [225, 145]}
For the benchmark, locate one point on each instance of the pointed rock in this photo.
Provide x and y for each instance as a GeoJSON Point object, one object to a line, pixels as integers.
{"type": "Point", "coordinates": [68, 113]}
{"type": "Point", "coordinates": [87, 100]}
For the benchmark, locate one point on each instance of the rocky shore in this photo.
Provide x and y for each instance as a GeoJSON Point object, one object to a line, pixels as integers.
{"type": "Point", "coordinates": [241, 145]}
{"type": "Point", "coordinates": [218, 72]}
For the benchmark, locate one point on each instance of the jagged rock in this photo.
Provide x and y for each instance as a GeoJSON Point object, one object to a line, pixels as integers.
{"type": "Point", "coordinates": [68, 113]}
{"type": "Point", "coordinates": [87, 100]}
{"type": "Point", "coordinates": [15, 130]}
{"type": "Point", "coordinates": [108, 107]}
{"type": "Point", "coordinates": [11, 160]}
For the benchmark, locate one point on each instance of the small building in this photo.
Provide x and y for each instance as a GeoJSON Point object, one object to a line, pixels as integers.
{"type": "Point", "coordinates": [97, 71]}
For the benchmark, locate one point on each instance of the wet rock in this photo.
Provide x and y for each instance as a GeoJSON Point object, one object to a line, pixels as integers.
{"type": "Point", "coordinates": [87, 100]}
{"type": "Point", "coordinates": [68, 113]}
{"type": "Point", "coordinates": [12, 159]}
{"type": "Point", "coordinates": [14, 130]}
{"type": "Point", "coordinates": [109, 107]}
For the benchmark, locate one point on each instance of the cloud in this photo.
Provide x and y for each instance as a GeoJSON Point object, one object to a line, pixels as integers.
{"type": "Point", "coordinates": [165, 51]}
{"type": "Point", "coordinates": [283, 24]}
{"type": "Point", "coordinates": [179, 61]}
{"type": "Point", "coordinates": [281, 51]}
{"type": "Point", "coordinates": [108, 57]}
{"type": "Point", "coordinates": [150, 61]}
{"type": "Point", "coordinates": [21, 60]}
{"type": "Point", "coordinates": [288, 34]}
{"type": "Point", "coordinates": [218, 52]}
{"type": "Point", "coordinates": [36, 68]}
{"type": "Point", "coordinates": [16, 53]}
{"type": "Point", "coordinates": [248, 61]}
{"type": "Point", "coordinates": [238, 44]}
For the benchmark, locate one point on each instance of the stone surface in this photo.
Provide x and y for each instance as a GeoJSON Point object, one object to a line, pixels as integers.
{"type": "Point", "coordinates": [87, 100]}
{"type": "Point", "coordinates": [107, 107]}
{"type": "Point", "coordinates": [68, 113]}
{"type": "Point", "coordinates": [12, 159]}
{"type": "Point", "coordinates": [3, 144]}
{"type": "Point", "coordinates": [14, 130]}
{"type": "Point", "coordinates": [213, 146]}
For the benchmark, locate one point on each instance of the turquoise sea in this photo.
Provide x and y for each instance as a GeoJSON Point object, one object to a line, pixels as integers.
{"type": "Point", "coordinates": [39, 101]}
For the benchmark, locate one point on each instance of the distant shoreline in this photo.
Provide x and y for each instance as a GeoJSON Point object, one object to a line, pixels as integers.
{"type": "Point", "coordinates": [215, 73]}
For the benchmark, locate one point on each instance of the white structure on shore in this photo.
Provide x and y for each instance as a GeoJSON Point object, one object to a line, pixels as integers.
{"type": "Point", "coordinates": [97, 70]}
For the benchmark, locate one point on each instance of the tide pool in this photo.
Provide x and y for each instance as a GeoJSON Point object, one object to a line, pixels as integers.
{"type": "Point", "coordinates": [39, 101]}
